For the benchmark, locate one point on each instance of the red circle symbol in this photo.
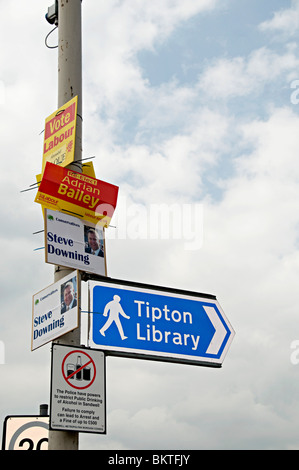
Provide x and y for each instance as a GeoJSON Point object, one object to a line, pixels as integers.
{"type": "Point", "coordinates": [71, 371]}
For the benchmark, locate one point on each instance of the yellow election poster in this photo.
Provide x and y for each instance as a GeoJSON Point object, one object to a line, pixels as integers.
{"type": "Point", "coordinates": [88, 169]}
{"type": "Point", "coordinates": [60, 134]}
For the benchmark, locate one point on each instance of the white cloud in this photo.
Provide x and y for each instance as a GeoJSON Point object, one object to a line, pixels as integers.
{"type": "Point", "coordinates": [240, 76]}
{"type": "Point", "coordinates": [117, 31]}
{"type": "Point", "coordinates": [284, 20]}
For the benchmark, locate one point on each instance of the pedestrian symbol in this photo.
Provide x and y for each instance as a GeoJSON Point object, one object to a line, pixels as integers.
{"type": "Point", "coordinates": [114, 309]}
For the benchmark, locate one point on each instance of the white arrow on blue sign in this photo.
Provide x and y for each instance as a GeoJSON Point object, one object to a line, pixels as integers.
{"type": "Point", "coordinates": [151, 322]}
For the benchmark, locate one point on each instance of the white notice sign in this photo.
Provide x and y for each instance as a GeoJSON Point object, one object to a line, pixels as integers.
{"type": "Point", "coordinates": [74, 243]}
{"type": "Point", "coordinates": [55, 310]}
{"type": "Point", "coordinates": [78, 390]}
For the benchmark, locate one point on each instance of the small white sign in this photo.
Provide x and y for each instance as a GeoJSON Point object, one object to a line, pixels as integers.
{"type": "Point", "coordinates": [74, 243]}
{"type": "Point", "coordinates": [78, 390]}
{"type": "Point", "coordinates": [25, 433]}
{"type": "Point", "coordinates": [55, 310]}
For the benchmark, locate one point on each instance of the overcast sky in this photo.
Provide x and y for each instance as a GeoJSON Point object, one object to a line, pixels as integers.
{"type": "Point", "coordinates": [194, 103]}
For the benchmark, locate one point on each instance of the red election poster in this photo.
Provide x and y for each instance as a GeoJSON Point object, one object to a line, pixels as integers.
{"type": "Point", "coordinates": [77, 194]}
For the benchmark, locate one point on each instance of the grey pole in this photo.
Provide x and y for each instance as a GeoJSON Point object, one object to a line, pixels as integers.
{"type": "Point", "coordinates": [69, 86]}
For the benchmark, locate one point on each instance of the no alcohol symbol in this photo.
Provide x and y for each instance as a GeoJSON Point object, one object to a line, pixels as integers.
{"type": "Point", "coordinates": [78, 369]}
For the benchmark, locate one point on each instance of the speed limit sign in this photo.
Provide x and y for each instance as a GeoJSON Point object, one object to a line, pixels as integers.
{"type": "Point", "coordinates": [25, 433]}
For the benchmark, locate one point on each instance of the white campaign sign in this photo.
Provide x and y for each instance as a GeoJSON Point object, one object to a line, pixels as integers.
{"type": "Point", "coordinates": [55, 310]}
{"type": "Point", "coordinates": [78, 390]}
{"type": "Point", "coordinates": [74, 243]}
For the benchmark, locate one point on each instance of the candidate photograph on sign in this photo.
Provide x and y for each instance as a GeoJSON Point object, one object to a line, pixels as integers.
{"type": "Point", "coordinates": [68, 295]}
{"type": "Point", "coordinates": [94, 241]}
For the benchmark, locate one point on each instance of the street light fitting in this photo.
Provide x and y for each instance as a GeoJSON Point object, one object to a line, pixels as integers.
{"type": "Point", "coordinates": [52, 15]}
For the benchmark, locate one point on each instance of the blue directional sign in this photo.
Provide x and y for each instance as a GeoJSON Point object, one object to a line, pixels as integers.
{"type": "Point", "coordinates": [151, 322]}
